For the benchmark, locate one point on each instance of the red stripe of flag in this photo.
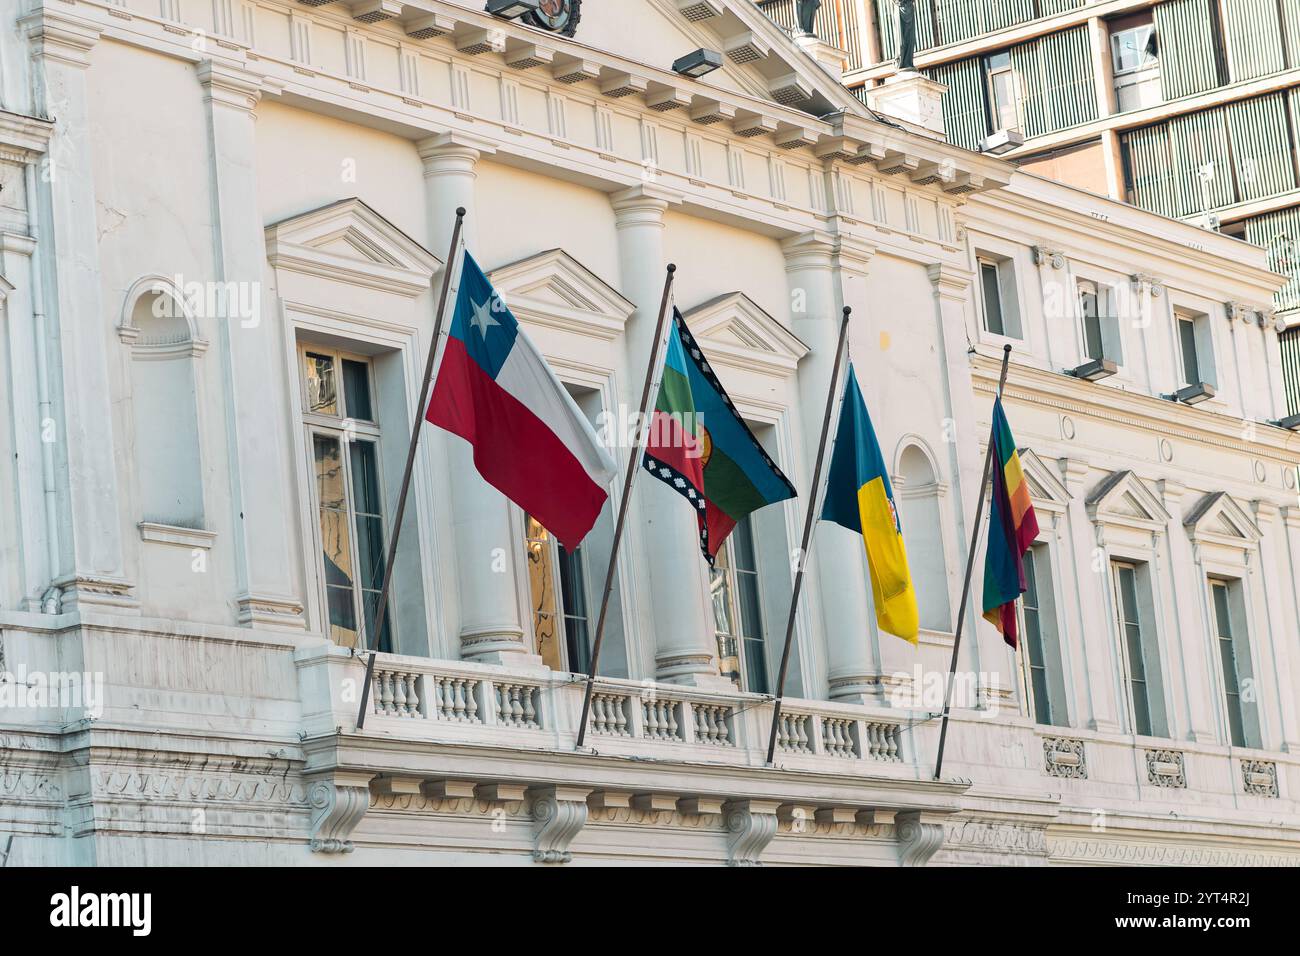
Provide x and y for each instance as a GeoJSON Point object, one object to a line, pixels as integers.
{"type": "Point", "coordinates": [519, 455]}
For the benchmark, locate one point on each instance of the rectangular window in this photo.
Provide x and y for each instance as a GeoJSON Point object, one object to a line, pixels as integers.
{"type": "Point", "coordinates": [1234, 660]}
{"type": "Point", "coordinates": [1133, 49]}
{"type": "Point", "coordinates": [1187, 346]}
{"type": "Point", "coordinates": [1004, 101]}
{"type": "Point", "coordinates": [557, 581]}
{"type": "Point", "coordinates": [1090, 307]}
{"type": "Point", "coordinates": [345, 466]}
{"type": "Point", "coordinates": [1099, 325]}
{"type": "Point", "coordinates": [737, 611]}
{"type": "Point", "coordinates": [998, 292]}
{"type": "Point", "coordinates": [1195, 348]}
{"type": "Point", "coordinates": [1044, 677]}
{"type": "Point", "coordinates": [563, 586]}
{"type": "Point", "coordinates": [1138, 651]}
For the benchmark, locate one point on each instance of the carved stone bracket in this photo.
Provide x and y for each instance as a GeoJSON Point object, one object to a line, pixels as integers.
{"type": "Point", "coordinates": [919, 837]}
{"type": "Point", "coordinates": [338, 802]}
{"type": "Point", "coordinates": [1141, 282]}
{"type": "Point", "coordinates": [751, 824]}
{"type": "Point", "coordinates": [559, 814]}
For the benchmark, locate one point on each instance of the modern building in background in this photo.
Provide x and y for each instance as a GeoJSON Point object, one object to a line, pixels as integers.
{"type": "Point", "coordinates": [1188, 108]}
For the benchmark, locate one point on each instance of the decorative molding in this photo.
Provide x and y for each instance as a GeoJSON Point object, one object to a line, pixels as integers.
{"type": "Point", "coordinates": [1140, 282]}
{"type": "Point", "coordinates": [338, 802]}
{"type": "Point", "coordinates": [1123, 499]}
{"type": "Point", "coordinates": [559, 814]}
{"type": "Point", "coordinates": [919, 835]}
{"type": "Point", "coordinates": [737, 331]}
{"type": "Point", "coordinates": [1159, 854]}
{"type": "Point", "coordinates": [276, 611]}
{"type": "Point", "coordinates": [1166, 768]}
{"type": "Point", "coordinates": [554, 289]}
{"type": "Point", "coordinates": [1065, 757]}
{"type": "Point", "coordinates": [1045, 255]}
{"type": "Point", "coordinates": [992, 841]}
{"type": "Point", "coordinates": [751, 825]}
{"type": "Point", "coordinates": [60, 37]}
{"type": "Point", "coordinates": [174, 534]}
{"type": "Point", "coordinates": [350, 242]}
{"type": "Point", "coordinates": [1259, 778]}
{"type": "Point", "coordinates": [232, 86]}
{"type": "Point", "coordinates": [1218, 519]}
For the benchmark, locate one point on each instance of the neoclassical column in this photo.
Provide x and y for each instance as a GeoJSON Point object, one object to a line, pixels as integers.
{"type": "Point", "coordinates": [685, 645]}
{"type": "Point", "coordinates": [1272, 626]}
{"type": "Point", "coordinates": [838, 562]}
{"type": "Point", "coordinates": [1092, 603]}
{"type": "Point", "coordinates": [92, 569]}
{"type": "Point", "coordinates": [965, 453]}
{"type": "Point", "coordinates": [491, 626]}
{"type": "Point", "coordinates": [268, 562]}
{"type": "Point", "coordinates": [1197, 689]}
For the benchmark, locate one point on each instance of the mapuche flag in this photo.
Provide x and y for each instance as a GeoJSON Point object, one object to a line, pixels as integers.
{"type": "Point", "coordinates": [1012, 529]}
{"type": "Point", "coordinates": [859, 497]}
{"type": "Point", "coordinates": [531, 441]}
{"type": "Point", "coordinates": [701, 448]}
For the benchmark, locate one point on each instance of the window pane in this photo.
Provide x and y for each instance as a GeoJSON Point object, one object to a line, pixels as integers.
{"type": "Point", "coordinates": [1228, 659]}
{"type": "Point", "coordinates": [541, 587]}
{"type": "Point", "coordinates": [1034, 645]}
{"type": "Point", "coordinates": [992, 298]}
{"type": "Point", "coordinates": [322, 391]}
{"type": "Point", "coordinates": [720, 586]}
{"type": "Point", "coordinates": [1187, 343]}
{"type": "Point", "coordinates": [370, 535]}
{"type": "Point", "coordinates": [1131, 630]}
{"type": "Point", "coordinates": [573, 592]}
{"type": "Point", "coordinates": [356, 390]}
{"type": "Point", "coordinates": [336, 543]}
{"type": "Point", "coordinates": [1089, 304]}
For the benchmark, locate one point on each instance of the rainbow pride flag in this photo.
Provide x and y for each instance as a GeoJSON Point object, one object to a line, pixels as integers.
{"type": "Point", "coordinates": [1012, 529]}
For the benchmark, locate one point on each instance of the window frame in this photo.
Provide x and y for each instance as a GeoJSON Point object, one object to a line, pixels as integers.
{"type": "Point", "coordinates": [345, 431]}
{"type": "Point", "coordinates": [1109, 327]}
{"type": "Point", "coordinates": [1157, 717]}
{"type": "Point", "coordinates": [1045, 610]}
{"type": "Point", "coordinates": [994, 70]}
{"type": "Point", "coordinates": [728, 566]}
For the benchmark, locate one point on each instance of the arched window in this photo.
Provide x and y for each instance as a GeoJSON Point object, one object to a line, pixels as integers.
{"type": "Point", "coordinates": [159, 329]}
{"type": "Point", "coordinates": [919, 514]}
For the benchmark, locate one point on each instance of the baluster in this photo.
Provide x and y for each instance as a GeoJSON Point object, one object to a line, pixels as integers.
{"type": "Point", "coordinates": [447, 689]}
{"type": "Point", "coordinates": [530, 711]}
{"type": "Point", "coordinates": [620, 717]}
{"type": "Point", "coordinates": [471, 701]}
{"type": "Point", "coordinates": [801, 732]}
{"type": "Point", "coordinates": [893, 744]}
{"type": "Point", "coordinates": [399, 694]}
{"type": "Point", "coordinates": [388, 693]}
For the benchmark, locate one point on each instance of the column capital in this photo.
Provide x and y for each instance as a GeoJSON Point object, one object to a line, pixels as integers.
{"type": "Point", "coordinates": [61, 37]}
{"type": "Point", "coordinates": [644, 204]}
{"type": "Point", "coordinates": [1074, 472]}
{"type": "Point", "coordinates": [1290, 517]}
{"type": "Point", "coordinates": [854, 255]}
{"type": "Point", "coordinates": [232, 86]}
{"type": "Point", "coordinates": [452, 151]}
{"type": "Point", "coordinates": [809, 250]}
{"type": "Point", "coordinates": [950, 282]}
{"type": "Point", "coordinates": [1264, 510]}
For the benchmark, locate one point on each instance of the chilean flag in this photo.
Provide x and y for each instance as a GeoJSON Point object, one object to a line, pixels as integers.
{"type": "Point", "coordinates": [531, 441]}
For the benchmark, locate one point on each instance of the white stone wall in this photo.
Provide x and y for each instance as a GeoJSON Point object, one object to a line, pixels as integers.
{"type": "Point", "coordinates": [323, 179]}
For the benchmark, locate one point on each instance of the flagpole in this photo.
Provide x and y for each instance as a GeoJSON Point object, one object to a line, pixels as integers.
{"type": "Point", "coordinates": [970, 567]}
{"type": "Point", "coordinates": [810, 519]}
{"type": "Point", "coordinates": [633, 466]}
{"type": "Point", "coordinates": [420, 409]}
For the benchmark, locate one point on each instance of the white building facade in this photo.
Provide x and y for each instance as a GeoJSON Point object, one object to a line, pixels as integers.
{"type": "Point", "coordinates": [223, 226]}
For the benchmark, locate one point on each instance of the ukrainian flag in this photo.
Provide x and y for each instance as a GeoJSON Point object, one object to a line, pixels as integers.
{"type": "Point", "coordinates": [859, 497]}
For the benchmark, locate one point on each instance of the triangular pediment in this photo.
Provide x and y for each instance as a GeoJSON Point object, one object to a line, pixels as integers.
{"type": "Point", "coordinates": [553, 288]}
{"type": "Point", "coordinates": [734, 329]}
{"type": "Point", "coordinates": [351, 242]}
{"type": "Point", "coordinates": [1123, 498]}
{"type": "Point", "coordinates": [1045, 488]}
{"type": "Point", "coordinates": [1218, 517]}
{"type": "Point", "coordinates": [759, 58]}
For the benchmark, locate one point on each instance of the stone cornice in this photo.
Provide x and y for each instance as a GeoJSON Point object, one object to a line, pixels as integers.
{"type": "Point", "coordinates": [227, 85]}
{"type": "Point", "coordinates": [61, 37]}
{"type": "Point", "coordinates": [1071, 396]}
{"type": "Point", "coordinates": [23, 137]}
{"type": "Point", "coordinates": [950, 282]}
